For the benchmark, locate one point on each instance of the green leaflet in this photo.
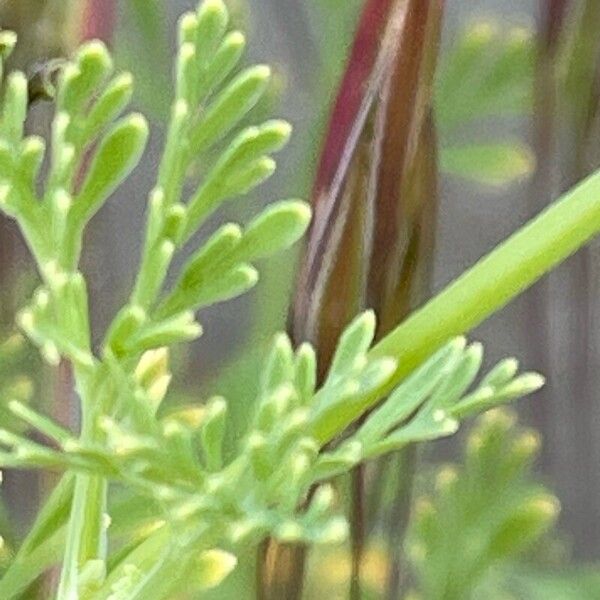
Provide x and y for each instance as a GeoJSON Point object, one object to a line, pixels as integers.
{"type": "Point", "coordinates": [118, 154]}
{"type": "Point", "coordinates": [490, 164]}
{"type": "Point", "coordinates": [212, 433]}
{"type": "Point", "coordinates": [229, 107]}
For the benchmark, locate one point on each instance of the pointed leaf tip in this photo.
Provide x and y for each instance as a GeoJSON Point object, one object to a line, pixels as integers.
{"type": "Point", "coordinates": [280, 226]}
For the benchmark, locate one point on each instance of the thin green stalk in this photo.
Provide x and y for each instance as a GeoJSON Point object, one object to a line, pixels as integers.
{"type": "Point", "coordinates": [48, 527]}
{"type": "Point", "coordinates": [499, 277]}
{"type": "Point", "coordinates": [86, 533]}
{"type": "Point", "coordinates": [49, 518]}
{"type": "Point", "coordinates": [493, 282]}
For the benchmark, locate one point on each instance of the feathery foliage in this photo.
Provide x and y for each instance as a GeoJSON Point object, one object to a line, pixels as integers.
{"type": "Point", "coordinates": [489, 507]}
{"type": "Point", "coordinates": [207, 504]}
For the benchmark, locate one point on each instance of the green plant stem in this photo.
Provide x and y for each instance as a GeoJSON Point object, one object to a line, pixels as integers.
{"type": "Point", "coordinates": [493, 282]}
{"type": "Point", "coordinates": [497, 278]}
{"type": "Point", "coordinates": [86, 534]}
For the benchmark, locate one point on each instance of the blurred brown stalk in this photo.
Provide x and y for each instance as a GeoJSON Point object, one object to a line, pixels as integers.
{"type": "Point", "coordinates": [566, 128]}
{"type": "Point", "coordinates": [372, 236]}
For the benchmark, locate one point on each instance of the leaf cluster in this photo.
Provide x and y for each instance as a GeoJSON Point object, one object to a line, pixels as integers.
{"type": "Point", "coordinates": [489, 509]}
{"type": "Point", "coordinates": [293, 443]}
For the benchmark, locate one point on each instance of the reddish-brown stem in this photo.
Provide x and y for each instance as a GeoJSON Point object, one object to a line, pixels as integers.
{"type": "Point", "coordinates": [357, 530]}
{"type": "Point", "coordinates": [375, 194]}
{"type": "Point", "coordinates": [99, 19]}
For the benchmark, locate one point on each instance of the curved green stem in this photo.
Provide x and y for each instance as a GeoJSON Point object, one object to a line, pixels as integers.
{"type": "Point", "coordinates": [497, 278]}
{"type": "Point", "coordinates": [493, 282]}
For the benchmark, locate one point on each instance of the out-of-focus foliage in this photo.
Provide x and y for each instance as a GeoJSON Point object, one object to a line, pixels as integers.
{"type": "Point", "coordinates": [581, 583]}
{"type": "Point", "coordinates": [486, 74]}
{"type": "Point", "coordinates": [46, 29]}
{"type": "Point", "coordinates": [577, 68]}
{"type": "Point", "coordinates": [333, 22]}
{"type": "Point", "coordinates": [142, 47]}
{"type": "Point", "coordinates": [15, 382]}
{"type": "Point", "coordinates": [481, 515]}
{"type": "Point", "coordinates": [490, 164]}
